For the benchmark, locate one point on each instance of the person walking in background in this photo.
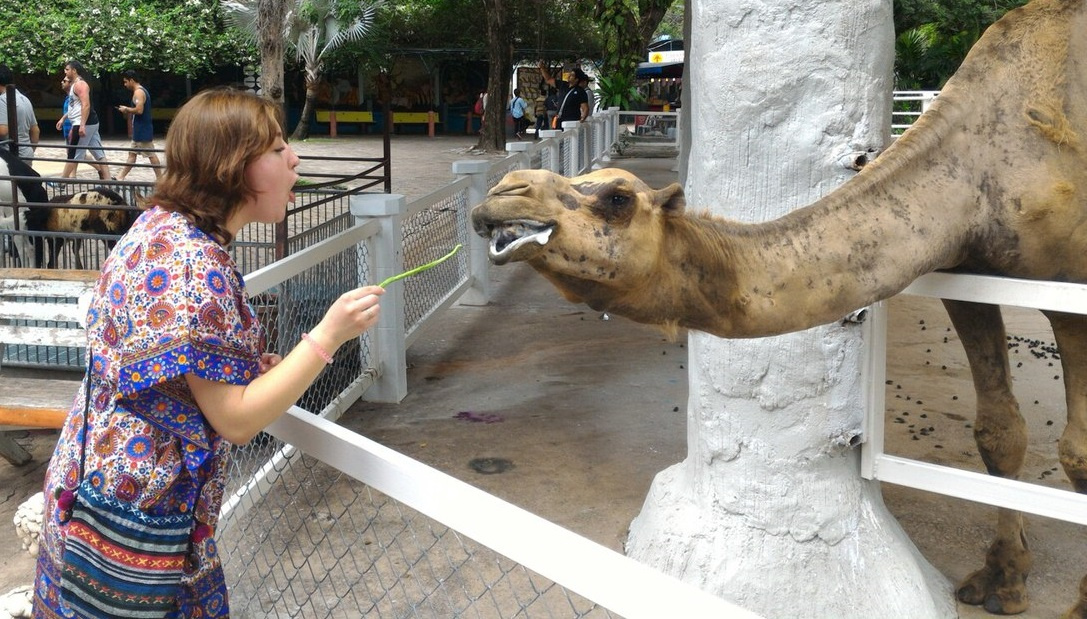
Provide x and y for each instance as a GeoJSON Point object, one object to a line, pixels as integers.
{"type": "Point", "coordinates": [84, 133]}
{"type": "Point", "coordinates": [177, 374]}
{"type": "Point", "coordinates": [25, 122]}
{"type": "Point", "coordinates": [540, 107]}
{"type": "Point", "coordinates": [64, 125]}
{"type": "Point", "coordinates": [517, 110]}
{"type": "Point", "coordinates": [143, 130]}
{"type": "Point", "coordinates": [479, 107]}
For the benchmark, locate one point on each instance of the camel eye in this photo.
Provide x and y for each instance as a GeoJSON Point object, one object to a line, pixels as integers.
{"type": "Point", "coordinates": [620, 199]}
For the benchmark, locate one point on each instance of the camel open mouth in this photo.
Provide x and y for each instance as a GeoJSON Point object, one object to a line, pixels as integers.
{"type": "Point", "coordinates": [509, 236]}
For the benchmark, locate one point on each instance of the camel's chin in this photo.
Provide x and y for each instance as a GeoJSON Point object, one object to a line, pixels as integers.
{"type": "Point", "coordinates": [517, 243]}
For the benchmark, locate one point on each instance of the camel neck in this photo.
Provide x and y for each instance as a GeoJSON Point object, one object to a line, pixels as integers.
{"type": "Point", "coordinates": [864, 242]}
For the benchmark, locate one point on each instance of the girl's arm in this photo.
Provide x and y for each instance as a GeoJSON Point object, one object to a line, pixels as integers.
{"type": "Point", "coordinates": [239, 412]}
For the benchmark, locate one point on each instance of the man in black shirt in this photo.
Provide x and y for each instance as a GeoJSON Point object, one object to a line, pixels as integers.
{"type": "Point", "coordinates": [573, 101]}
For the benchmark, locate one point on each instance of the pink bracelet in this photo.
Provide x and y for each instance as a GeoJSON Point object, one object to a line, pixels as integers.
{"type": "Point", "coordinates": [318, 349]}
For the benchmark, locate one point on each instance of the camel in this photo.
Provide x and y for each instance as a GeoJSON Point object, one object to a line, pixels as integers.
{"type": "Point", "coordinates": [992, 180]}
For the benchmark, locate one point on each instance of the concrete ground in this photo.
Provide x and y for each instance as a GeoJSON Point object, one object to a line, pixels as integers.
{"type": "Point", "coordinates": [585, 411]}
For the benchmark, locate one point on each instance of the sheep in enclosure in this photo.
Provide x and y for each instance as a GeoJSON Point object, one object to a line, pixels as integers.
{"type": "Point", "coordinates": [115, 221]}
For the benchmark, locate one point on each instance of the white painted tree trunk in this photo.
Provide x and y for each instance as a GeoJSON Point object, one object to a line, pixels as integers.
{"type": "Point", "coordinates": [769, 510]}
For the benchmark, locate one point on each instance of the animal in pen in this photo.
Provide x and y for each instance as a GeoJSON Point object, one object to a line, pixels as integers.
{"type": "Point", "coordinates": [28, 190]}
{"type": "Point", "coordinates": [991, 180]}
{"type": "Point", "coordinates": [93, 215]}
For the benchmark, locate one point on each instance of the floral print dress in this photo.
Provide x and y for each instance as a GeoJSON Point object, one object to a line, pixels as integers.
{"type": "Point", "coordinates": [169, 302]}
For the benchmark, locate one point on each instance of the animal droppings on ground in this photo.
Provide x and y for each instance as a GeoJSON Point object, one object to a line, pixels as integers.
{"type": "Point", "coordinates": [478, 417]}
{"type": "Point", "coordinates": [490, 466]}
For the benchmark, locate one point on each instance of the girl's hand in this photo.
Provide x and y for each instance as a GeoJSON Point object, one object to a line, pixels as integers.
{"type": "Point", "coordinates": [268, 361]}
{"type": "Point", "coordinates": [350, 315]}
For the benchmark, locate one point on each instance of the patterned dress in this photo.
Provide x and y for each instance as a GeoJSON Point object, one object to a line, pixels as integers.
{"type": "Point", "coordinates": [169, 302]}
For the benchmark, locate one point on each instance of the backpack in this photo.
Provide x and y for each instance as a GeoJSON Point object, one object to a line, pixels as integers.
{"type": "Point", "coordinates": [478, 109]}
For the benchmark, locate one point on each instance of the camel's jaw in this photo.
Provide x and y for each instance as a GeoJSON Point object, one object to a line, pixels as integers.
{"type": "Point", "coordinates": [507, 219]}
{"type": "Point", "coordinates": [515, 240]}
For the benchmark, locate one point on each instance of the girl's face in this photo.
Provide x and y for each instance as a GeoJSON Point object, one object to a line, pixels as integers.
{"type": "Point", "coordinates": [272, 177]}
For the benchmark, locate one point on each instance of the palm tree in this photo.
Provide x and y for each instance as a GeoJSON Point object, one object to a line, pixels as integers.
{"type": "Point", "coordinates": [313, 28]}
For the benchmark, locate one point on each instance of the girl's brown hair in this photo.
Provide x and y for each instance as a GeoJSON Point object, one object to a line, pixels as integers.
{"type": "Point", "coordinates": [210, 142]}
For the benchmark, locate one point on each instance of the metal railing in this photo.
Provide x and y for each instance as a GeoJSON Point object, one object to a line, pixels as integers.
{"type": "Point", "coordinates": [334, 525]}
{"type": "Point", "coordinates": [1000, 492]}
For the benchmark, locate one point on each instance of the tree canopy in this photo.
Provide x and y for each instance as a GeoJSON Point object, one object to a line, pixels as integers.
{"type": "Point", "coordinates": [185, 37]}
{"type": "Point", "coordinates": [934, 36]}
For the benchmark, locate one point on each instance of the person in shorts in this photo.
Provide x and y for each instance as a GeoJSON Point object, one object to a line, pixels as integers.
{"type": "Point", "coordinates": [139, 112]}
{"type": "Point", "coordinates": [83, 136]}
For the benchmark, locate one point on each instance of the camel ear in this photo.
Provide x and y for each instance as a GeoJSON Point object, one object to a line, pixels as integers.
{"type": "Point", "coordinates": [671, 199]}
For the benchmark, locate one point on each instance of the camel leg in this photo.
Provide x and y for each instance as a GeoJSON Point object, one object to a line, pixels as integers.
{"type": "Point", "coordinates": [1001, 436]}
{"type": "Point", "coordinates": [1070, 330]}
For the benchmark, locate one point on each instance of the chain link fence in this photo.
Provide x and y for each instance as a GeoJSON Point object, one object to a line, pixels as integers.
{"type": "Point", "coordinates": [323, 527]}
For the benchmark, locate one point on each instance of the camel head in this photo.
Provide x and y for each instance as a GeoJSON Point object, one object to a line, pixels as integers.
{"type": "Point", "coordinates": [596, 237]}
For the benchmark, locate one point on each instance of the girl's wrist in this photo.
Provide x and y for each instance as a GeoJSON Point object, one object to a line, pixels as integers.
{"type": "Point", "coordinates": [318, 345]}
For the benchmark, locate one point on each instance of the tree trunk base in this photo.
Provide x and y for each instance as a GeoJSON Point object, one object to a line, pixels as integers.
{"type": "Point", "coordinates": [871, 569]}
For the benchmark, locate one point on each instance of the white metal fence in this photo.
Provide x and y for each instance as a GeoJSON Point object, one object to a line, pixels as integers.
{"type": "Point", "coordinates": [876, 464]}
{"type": "Point", "coordinates": [334, 525]}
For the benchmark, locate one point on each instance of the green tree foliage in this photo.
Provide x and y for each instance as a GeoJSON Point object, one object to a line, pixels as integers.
{"type": "Point", "coordinates": [626, 27]}
{"type": "Point", "coordinates": [186, 37]}
{"type": "Point", "coordinates": [934, 36]}
{"type": "Point", "coordinates": [315, 29]}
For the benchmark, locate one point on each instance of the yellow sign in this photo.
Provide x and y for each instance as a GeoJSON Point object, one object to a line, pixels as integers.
{"type": "Point", "coordinates": [668, 56]}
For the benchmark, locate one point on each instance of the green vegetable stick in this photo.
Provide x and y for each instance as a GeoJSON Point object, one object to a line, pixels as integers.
{"type": "Point", "coordinates": [420, 269]}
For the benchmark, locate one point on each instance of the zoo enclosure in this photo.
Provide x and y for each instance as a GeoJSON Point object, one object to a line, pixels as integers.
{"type": "Point", "coordinates": [338, 529]}
{"type": "Point", "coordinates": [334, 525]}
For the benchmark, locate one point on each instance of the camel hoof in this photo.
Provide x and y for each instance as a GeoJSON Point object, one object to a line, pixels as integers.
{"type": "Point", "coordinates": [985, 588]}
{"type": "Point", "coordinates": [1006, 603]}
{"type": "Point", "coordinates": [974, 589]}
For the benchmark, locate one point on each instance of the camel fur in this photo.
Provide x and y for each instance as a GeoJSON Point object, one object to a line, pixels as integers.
{"type": "Point", "coordinates": [992, 180]}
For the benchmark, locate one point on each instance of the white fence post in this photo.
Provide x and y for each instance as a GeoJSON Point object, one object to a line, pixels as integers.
{"type": "Point", "coordinates": [521, 150]}
{"type": "Point", "coordinates": [552, 157]}
{"type": "Point", "coordinates": [571, 127]}
{"type": "Point", "coordinates": [388, 337]}
{"type": "Point", "coordinates": [598, 127]}
{"type": "Point", "coordinates": [478, 263]}
{"type": "Point", "coordinates": [613, 126]}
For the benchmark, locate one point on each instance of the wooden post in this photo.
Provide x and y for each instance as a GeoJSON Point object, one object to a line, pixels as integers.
{"type": "Point", "coordinates": [332, 123]}
{"type": "Point", "coordinates": [430, 123]}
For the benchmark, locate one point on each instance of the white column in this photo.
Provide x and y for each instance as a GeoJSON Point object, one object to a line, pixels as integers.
{"type": "Point", "coordinates": [769, 509]}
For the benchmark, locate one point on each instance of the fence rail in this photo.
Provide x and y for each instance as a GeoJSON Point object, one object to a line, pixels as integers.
{"type": "Point", "coordinates": [334, 525]}
{"type": "Point", "coordinates": [876, 464]}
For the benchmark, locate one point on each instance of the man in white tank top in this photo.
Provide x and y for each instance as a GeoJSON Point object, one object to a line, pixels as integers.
{"type": "Point", "coordinates": [84, 133]}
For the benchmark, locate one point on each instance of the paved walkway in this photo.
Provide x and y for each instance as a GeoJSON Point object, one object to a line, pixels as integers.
{"type": "Point", "coordinates": [420, 164]}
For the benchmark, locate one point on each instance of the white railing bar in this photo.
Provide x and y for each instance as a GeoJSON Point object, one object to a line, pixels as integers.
{"type": "Point", "coordinates": [1038, 294]}
{"type": "Point", "coordinates": [981, 488]}
{"type": "Point", "coordinates": [267, 277]}
{"type": "Point", "coordinates": [604, 576]}
{"type": "Point", "coordinates": [261, 481]}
